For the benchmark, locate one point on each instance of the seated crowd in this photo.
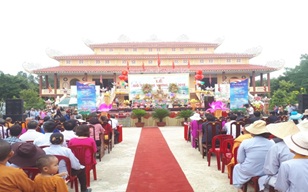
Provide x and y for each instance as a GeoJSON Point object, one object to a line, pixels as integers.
{"type": "Point", "coordinates": [40, 145]}
{"type": "Point", "coordinates": [270, 153]}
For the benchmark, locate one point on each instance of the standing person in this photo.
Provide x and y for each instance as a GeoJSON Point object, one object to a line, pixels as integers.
{"type": "Point", "coordinates": [251, 154]}
{"type": "Point", "coordinates": [114, 124]}
{"type": "Point", "coordinates": [56, 140]}
{"type": "Point", "coordinates": [278, 153]}
{"type": "Point", "coordinates": [195, 128]}
{"type": "Point", "coordinates": [292, 174]}
{"type": "Point", "coordinates": [289, 108]}
{"type": "Point", "coordinates": [249, 110]}
{"type": "Point", "coordinates": [11, 178]}
{"type": "Point", "coordinates": [32, 113]}
{"type": "Point", "coordinates": [48, 179]}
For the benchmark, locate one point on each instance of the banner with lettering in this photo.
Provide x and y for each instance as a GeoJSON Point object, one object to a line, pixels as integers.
{"type": "Point", "coordinates": [238, 94]}
{"type": "Point", "coordinates": [86, 97]}
{"type": "Point", "coordinates": [158, 86]}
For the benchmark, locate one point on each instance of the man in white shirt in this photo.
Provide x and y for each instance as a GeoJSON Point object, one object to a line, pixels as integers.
{"type": "Point", "coordinates": [114, 125]}
{"type": "Point", "coordinates": [31, 133]}
{"type": "Point", "coordinates": [227, 126]}
{"type": "Point", "coordinates": [69, 125]}
{"type": "Point", "coordinates": [44, 140]}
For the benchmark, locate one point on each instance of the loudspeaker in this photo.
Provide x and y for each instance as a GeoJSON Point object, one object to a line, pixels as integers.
{"type": "Point", "coordinates": [16, 117]}
{"type": "Point", "coordinates": [14, 106]}
{"type": "Point", "coordinates": [302, 102]}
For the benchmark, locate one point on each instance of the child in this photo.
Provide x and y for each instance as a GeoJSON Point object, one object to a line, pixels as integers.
{"type": "Point", "coordinates": [10, 177]}
{"type": "Point", "coordinates": [48, 180]}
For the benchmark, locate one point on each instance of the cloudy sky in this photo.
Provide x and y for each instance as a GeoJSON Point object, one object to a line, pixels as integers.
{"type": "Point", "coordinates": [30, 27]}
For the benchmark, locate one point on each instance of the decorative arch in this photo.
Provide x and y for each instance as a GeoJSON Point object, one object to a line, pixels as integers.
{"type": "Point", "coordinates": [73, 81]}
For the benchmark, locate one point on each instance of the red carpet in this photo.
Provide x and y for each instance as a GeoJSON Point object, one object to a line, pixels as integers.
{"type": "Point", "coordinates": [155, 168]}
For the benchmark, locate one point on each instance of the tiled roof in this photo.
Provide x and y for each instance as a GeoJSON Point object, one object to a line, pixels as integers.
{"type": "Point", "coordinates": [154, 56]}
{"type": "Point", "coordinates": [219, 68]}
{"type": "Point", "coordinates": [152, 45]}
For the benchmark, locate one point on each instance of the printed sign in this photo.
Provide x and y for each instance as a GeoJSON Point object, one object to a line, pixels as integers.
{"type": "Point", "coordinates": [238, 94]}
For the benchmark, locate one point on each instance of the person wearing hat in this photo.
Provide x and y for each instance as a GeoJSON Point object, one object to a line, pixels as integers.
{"type": "Point", "coordinates": [278, 153]}
{"type": "Point", "coordinates": [296, 117]}
{"type": "Point", "coordinates": [251, 154]}
{"type": "Point", "coordinates": [11, 178]}
{"type": "Point", "coordinates": [293, 174]}
{"type": "Point", "coordinates": [56, 140]}
{"type": "Point", "coordinates": [305, 114]}
{"type": "Point", "coordinates": [303, 125]}
{"type": "Point", "coordinates": [195, 127]}
{"type": "Point", "coordinates": [25, 154]}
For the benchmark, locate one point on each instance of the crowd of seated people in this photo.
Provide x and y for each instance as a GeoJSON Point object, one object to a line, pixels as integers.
{"type": "Point", "coordinates": [268, 149]}
{"type": "Point", "coordinates": [48, 137]}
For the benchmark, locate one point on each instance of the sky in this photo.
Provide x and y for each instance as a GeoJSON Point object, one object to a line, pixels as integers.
{"type": "Point", "coordinates": [29, 28]}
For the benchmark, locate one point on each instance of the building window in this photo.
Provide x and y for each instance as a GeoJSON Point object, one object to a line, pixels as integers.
{"type": "Point", "coordinates": [201, 60]}
{"type": "Point", "coordinates": [107, 61]}
{"type": "Point", "coordinates": [150, 49]}
{"type": "Point", "coordinates": [205, 48]}
{"type": "Point", "coordinates": [102, 49]}
{"type": "Point", "coordinates": [228, 60]}
{"type": "Point", "coordinates": [158, 49]}
{"type": "Point", "coordinates": [126, 49]}
{"type": "Point", "coordinates": [98, 61]}
{"type": "Point", "coordinates": [173, 49]}
{"type": "Point", "coordinates": [197, 49]}
{"type": "Point", "coordinates": [110, 49]}
{"type": "Point", "coordinates": [238, 60]}
{"type": "Point", "coordinates": [135, 49]}
{"type": "Point", "coordinates": [150, 61]}
{"type": "Point", "coordinates": [80, 61]}
{"type": "Point", "coordinates": [176, 61]}
{"type": "Point", "coordinates": [211, 61]}
{"type": "Point", "coordinates": [181, 49]}
{"type": "Point", "coordinates": [133, 61]}
{"type": "Point", "coordinates": [68, 61]}
{"type": "Point", "coordinates": [123, 61]}
{"type": "Point", "coordinates": [185, 61]}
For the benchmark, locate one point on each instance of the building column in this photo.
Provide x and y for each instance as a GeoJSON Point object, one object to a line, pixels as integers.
{"type": "Point", "coordinates": [41, 85]}
{"type": "Point", "coordinates": [55, 82]}
{"type": "Point", "coordinates": [85, 76]}
{"type": "Point", "coordinates": [254, 81]}
{"type": "Point", "coordinates": [223, 77]}
{"type": "Point", "coordinates": [261, 79]}
{"type": "Point", "coordinates": [46, 82]}
{"type": "Point", "coordinates": [268, 83]}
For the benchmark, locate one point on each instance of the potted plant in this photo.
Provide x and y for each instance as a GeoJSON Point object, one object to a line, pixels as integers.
{"type": "Point", "coordinates": [138, 113]}
{"type": "Point", "coordinates": [160, 114]}
{"type": "Point", "coordinates": [185, 114]}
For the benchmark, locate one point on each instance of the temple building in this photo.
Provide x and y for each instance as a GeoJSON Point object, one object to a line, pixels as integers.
{"type": "Point", "coordinates": [109, 60]}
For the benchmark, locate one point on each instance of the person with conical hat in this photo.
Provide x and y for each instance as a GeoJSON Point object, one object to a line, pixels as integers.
{"type": "Point", "coordinates": [251, 154]}
{"type": "Point", "coordinates": [278, 153]}
{"type": "Point", "coordinates": [293, 174]}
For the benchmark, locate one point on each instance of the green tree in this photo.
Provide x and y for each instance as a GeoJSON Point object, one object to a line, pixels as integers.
{"type": "Point", "coordinates": [31, 99]}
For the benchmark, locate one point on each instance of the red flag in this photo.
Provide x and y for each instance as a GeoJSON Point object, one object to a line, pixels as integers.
{"type": "Point", "coordinates": [101, 78]}
{"type": "Point", "coordinates": [127, 66]}
{"type": "Point", "coordinates": [158, 60]}
{"type": "Point", "coordinates": [188, 64]}
{"type": "Point", "coordinates": [143, 66]}
{"type": "Point", "coordinates": [172, 64]}
{"type": "Point", "coordinates": [49, 88]}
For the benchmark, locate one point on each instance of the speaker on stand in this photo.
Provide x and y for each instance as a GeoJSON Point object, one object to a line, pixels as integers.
{"type": "Point", "coordinates": [302, 102]}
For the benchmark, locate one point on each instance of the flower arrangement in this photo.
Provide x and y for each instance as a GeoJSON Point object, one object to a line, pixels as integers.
{"type": "Point", "coordinates": [126, 102]}
{"type": "Point", "coordinates": [215, 105]}
{"type": "Point", "coordinates": [147, 88]}
{"type": "Point", "coordinates": [173, 88]}
{"type": "Point", "coordinates": [194, 101]}
{"type": "Point", "coordinates": [257, 105]}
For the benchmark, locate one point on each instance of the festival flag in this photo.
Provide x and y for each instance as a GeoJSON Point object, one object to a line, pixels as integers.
{"type": "Point", "coordinates": [158, 60]}
{"type": "Point", "coordinates": [127, 65]}
{"type": "Point", "coordinates": [188, 64]}
{"type": "Point", "coordinates": [101, 78]}
{"type": "Point", "coordinates": [143, 66]}
{"type": "Point", "coordinates": [49, 88]}
{"type": "Point", "coordinates": [172, 64]}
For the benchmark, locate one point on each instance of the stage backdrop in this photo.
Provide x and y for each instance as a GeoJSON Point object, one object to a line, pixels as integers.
{"type": "Point", "coordinates": [238, 94]}
{"type": "Point", "coordinates": [136, 82]}
{"type": "Point", "coordinates": [86, 97]}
